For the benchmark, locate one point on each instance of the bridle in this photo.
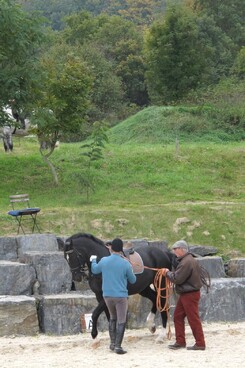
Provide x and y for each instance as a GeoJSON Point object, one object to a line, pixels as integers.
{"type": "Point", "coordinates": [82, 267]}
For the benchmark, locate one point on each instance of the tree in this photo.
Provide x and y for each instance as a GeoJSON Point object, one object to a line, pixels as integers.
{"type": "Point", "coordinates": [20, 38]}
{"type": "Point", "coordinates": [62, 105]}
{"type": "Point", "coordinates": [107, 91]}
{"type": "Point", "coordinates": [53, 10]}
{"type": "Point", "coordinates": [92, 151]}
{"type": "Point", "coordinates": [119, 43]}
{"type": "Point", "coordinates": [142, 12]}
{"type": "Point", "coordinates": [239, 65]}
{"type": "Point", "coordinates": [123, 44]}
{"type": "Point", "coordinates": [184, 52]}
{"type": "Point", "coordinates": [228, 15]}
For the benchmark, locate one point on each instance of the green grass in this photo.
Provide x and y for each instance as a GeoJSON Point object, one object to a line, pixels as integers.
{"type": "Point", "coordinates": [163, 124]}
{"type": "Point", "coordinates": [141, 189]}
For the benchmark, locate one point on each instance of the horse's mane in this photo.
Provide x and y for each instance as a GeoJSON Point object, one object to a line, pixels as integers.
{"type": "Point", "coordinates": [89, 236]}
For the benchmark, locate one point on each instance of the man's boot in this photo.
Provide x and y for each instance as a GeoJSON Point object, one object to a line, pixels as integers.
{"type": "Point", "coordinates": [119, 338]}
{"type": "Point", "coordinates": [112, 332]}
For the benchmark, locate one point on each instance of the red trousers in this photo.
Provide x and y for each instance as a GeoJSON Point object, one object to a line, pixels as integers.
{"type": "Point", "coordinates": [188, 306]}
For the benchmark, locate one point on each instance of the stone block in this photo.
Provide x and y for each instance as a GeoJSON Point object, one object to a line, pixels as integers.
{"type": "Point", "coordinates": [18, 316]}
{"type": "Point", "coordinates": [52, 271]}
{"type": "Point", "coordinates": [225, 301]}
{"type": "Point", "coordinates": [236, 267]}
{"type": "Point", "coordinates": [61, 314]}
{"type": "Point", "coordinates": [8, 248]}
{"type": "Point", "coordinates": [37, 243]}
{"type": "Point", "coordinates": [202, 250]}
{"type": "Point", "coordinates": [214, 265]}
{"type": "Point", "coordinates": [16, 278]}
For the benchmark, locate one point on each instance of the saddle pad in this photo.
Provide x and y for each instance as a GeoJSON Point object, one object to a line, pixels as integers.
{"type": "Point", "coordinates": [136, 262]}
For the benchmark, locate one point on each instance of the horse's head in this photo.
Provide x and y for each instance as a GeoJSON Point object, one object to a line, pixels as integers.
{"type": "Point", "coordinates": [78, 250]}
{"type": "Point", "coordinates": [76, 260]}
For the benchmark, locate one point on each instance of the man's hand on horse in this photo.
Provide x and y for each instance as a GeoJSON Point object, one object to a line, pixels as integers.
{"type": "Point", "coordinates": [93, 258]}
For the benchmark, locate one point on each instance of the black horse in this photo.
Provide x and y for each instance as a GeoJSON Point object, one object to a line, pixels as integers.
{"type": "Point", "coordinates": [78, 249]}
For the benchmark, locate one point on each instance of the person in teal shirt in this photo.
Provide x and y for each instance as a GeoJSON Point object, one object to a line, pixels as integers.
{"type": "Point", "coordinates": [116, 273]}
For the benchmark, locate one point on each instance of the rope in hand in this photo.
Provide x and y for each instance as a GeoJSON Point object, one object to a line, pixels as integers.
{"type": "Point", "coordinates": [158, 281]}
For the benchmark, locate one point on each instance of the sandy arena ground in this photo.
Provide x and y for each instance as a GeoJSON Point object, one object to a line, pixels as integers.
{"type": "Point", "coordinates": [225, 349]}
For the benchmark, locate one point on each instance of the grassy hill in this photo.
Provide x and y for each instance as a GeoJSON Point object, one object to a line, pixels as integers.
{"type": "Point", "coordinates": [163, 124]}
{"type": "Point", "coordinates": [145, 187]}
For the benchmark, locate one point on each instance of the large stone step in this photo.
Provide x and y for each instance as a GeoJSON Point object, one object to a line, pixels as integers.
{"type": "Point", "coordinates": [61, 314]}
{"type": "Point", "coordinates": [41, 243]}
{"type": "Point", "coordinates": [214, 265]}
{"type": "Point", "coordinates": [16, 278]}
{"type": "Point", "coordinates": [13, 248]}
{"type": "Point", "coordinates": [8, 248]}
{"type": "Point", "coordinates": [225, 301]}
{"type": "Point", "coordinates": [18, 315]}
{"type": "Point", "coordinates": [52, 272]}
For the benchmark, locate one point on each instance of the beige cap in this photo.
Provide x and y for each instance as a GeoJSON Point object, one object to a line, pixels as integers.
{"type": "Point", "coordinates": [180, 244]}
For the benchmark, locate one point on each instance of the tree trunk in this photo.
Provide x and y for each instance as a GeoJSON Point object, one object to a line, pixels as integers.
{"type": "Point", "coordinates": [51, 166]}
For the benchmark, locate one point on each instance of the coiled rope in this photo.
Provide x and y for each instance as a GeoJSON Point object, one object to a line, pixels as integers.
{"type": "Point", "coordinates": [158, 281]}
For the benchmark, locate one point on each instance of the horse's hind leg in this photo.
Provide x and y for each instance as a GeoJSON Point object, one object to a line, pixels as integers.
{"type": "Point", "coordinates": [162, 334]}
{"type": "Point", "coordinates": [150, 294]}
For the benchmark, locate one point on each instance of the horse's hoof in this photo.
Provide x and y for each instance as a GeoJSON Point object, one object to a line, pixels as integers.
{"type": "Point", "coordinates": [159, 340]}
{"type": "Point", "coordinates": [94, 334]}
{"type": "Point", "coordinates": [153, 329]}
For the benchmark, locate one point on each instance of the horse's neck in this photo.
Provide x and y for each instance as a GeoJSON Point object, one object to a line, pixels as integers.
{"type": "Point", "coordinates": [92, 248]}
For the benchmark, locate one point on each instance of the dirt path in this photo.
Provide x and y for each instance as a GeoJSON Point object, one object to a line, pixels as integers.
{"type": "Point", "coordinates": [225, 349]}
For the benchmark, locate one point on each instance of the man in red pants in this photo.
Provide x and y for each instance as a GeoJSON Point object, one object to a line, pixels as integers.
{"type": "Point", "coordinates": [187, 280]}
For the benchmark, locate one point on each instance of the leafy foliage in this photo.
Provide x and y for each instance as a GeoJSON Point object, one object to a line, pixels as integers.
{"type": "Point", "coordinates": [63, 103]}
{"type": "Point", "coordinates": [20, 37]}
{"type": "Point", "coordinates": [93, 151]}
{"type": "Point", "coordinates": [113, 49]}
{"type": "Point", "coordinates": [183, 53]}
{"type": "Point", "coordinates": [239, 65]}
{"type": "Point", "coordinates": [229, 17]}
{"type": "Point", "coordinates": [141, 12]}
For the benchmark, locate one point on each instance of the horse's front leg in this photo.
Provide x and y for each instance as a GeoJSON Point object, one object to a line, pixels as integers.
{"type": "Point", "coordinates": [101, 307]}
